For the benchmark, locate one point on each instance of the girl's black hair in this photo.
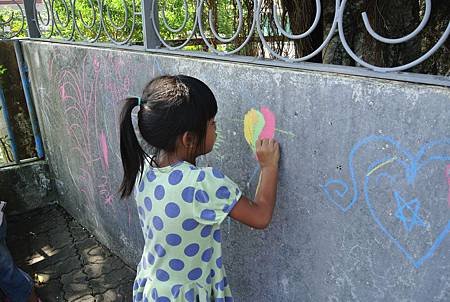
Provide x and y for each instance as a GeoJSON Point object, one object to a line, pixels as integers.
{"type": "Point", "coordinates": [169, 107]}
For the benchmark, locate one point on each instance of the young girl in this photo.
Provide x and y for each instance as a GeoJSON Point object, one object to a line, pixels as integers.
{"type": "Point", "coordinates": [180, 205]}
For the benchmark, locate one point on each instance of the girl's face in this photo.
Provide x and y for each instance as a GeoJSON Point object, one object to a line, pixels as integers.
{"type": "Point", "coordinates": [210, 138]}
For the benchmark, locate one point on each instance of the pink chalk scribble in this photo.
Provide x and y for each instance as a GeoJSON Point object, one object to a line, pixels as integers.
{"type": "Point", "coordinates": [268, 131]}
{"type": "Point", "coordinates": [104, 148]}
{"type": "Point", "coordinates": [90, 101]}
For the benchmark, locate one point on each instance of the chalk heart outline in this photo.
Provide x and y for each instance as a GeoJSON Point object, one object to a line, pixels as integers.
{"type": "Point", "coordinates": [412, 165]}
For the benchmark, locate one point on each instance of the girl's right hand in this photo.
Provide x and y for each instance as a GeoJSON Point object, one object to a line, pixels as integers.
{"type": "Point", "coordinates": [267, 152]}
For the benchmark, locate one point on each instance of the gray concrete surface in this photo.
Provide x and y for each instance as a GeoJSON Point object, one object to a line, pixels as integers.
{"type": "Point", "coordinates": [362, 211]}
{"type": "Point", "coordinates": [27, 186]}
{"type": "Point", "coordinates": [65, 260]}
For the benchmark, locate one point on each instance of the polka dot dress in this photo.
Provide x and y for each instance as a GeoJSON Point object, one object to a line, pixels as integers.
{"type": "Point", "coordinates": [180, 209]}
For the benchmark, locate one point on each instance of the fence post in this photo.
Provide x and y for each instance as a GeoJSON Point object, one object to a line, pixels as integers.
{"type": "Point", "coordinates": [33, 30]}
{"type": "Point", "coordinates": [151, 40]}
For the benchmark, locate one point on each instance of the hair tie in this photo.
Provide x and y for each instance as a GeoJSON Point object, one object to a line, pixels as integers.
{"type": "Point", "coordinates": [138, 100]}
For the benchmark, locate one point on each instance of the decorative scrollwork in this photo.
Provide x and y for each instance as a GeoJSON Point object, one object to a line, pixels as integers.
{"type": "Point", "coordinates": [14, 23]}
{"type": "Point", "coordinates": [94, 21]}
{"type": "Point", "coordinates": [86, 20]}
{"type": "Point", "coordinates": [172, 30]}
{"type": "Point", "coordinates": [419, 60]}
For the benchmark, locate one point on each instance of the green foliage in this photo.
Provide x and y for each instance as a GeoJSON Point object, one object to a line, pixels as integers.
{"type": "Point", "coordinates": [225, 20]}
{"type": "Point", "coordinates": [12, 23]}
{"type": "Point", "coordinates": [118, 18]}
{"type": "Point", "coordinates": [225, 13]}
{"type": "Point", "coordinates": [3, 71]}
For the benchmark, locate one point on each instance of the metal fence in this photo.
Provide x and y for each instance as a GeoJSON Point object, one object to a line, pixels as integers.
{"type": "Point", "coordinates": [127, 22]}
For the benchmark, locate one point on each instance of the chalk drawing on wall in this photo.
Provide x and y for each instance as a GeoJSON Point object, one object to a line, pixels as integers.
{"type": "Point", "coordinates": [416, 226]}
{"type": "Point", "coordinates": [260, 124]}
{"type": "Point", "coordinates": [90, 101]}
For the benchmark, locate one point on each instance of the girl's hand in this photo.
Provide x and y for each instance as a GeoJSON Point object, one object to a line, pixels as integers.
{"type": "Point", "coordinates": [258, 213]}
{"type": "Point", "coordinates": [267, 152]}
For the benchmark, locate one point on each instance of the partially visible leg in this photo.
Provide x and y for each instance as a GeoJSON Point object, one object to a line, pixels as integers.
{"type": "Point", "coordinates": [15, 283]}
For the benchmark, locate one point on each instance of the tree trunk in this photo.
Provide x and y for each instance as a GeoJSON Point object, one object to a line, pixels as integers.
{"type": "Point", "coordinates": [301, 16]}
{"type": "Point", "coordinates": [388, 18]}
{"type": "Point", "coordinates": [439, 63]}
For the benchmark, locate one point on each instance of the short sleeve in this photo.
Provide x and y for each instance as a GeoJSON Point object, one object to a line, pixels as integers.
{"type": "Point", "coordinates": [214, 197]}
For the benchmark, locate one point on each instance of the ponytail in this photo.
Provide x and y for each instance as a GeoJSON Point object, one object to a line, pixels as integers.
{"type": "Point", "coordinates": [131, 152]}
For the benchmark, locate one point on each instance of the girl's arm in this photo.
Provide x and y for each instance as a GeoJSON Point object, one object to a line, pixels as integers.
{"type": "Point", "coordinates": [258, 213]}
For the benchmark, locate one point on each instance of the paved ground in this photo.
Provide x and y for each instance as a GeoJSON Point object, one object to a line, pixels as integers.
{"type": "Point", "coordinates": [67, 263]}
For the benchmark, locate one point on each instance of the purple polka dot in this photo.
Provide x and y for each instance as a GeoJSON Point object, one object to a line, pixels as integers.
{"type": "Point", "coordinates": [201, 196]}
{"type": "Point", "coordinates": [207, 254]}
{"type": "Point", "coordinates": [237, 191]}
{"type": "Point", "coordinates": [188, 194]}
{"type": "Point", "coordinates": [176, 264]}
{"type": "Point", "coordinates": [141, 223]}
{"type": "Point", "coordinates": [150, 234]}
{"type": "Point", "coordinates": [139, 296]}
{"type": "Point", "coordinates": [176, 290]}
{"type": "Point", "coordinates": [190, 295]}
{"type": "Point", "coordinates": [225, 281]}
{"type": "Point", "coordinates": [135, 285]}
{"type": "Point", "coordinates": [219, 285]}
{"type": "Point", "coordinates": [191, 250]}
{"type": "Point", "coordinates": [217, 236]}
{"type": "Point", "coordinates": [219, 262]}
{"type": "Point", "coordinates": [189, 224]}
{"type": "Point", "coordinates": [159, 192]}
{"type": "Point", "coordinates": [162, 275]}
{"type": "Point", "coordinates": [145, 299]}
{"type": "Point", "coordinates": [172, 210]}
{"type": "Point", "coordinates": [175, 177]}
{"type": "Point", "coordinates": [151, 258]}
{"type": "Point", "coordinates": [143, 282]}
{"type": "Point", "coordinates": [151, 176]}
{"type": "Point", "coordinates": [154, 293]}
{"type": "Point", "coordinates": [211, 275]}
{"type": "Point", "coordinates": [148, 203]}
{"type": "Point", "coordinates": [195, 274]}
{"type": "Point", "coordinates": [226, 208]}
{"type": "Point", "coordinates": [217, 173]}
{"type": "Point", "coordinates": [208, 214]}
{"type": "Point", "coordinates": [206, 231]}
{"type": "Point", "coordinates": [173, 239]}
{"type": "Point", "coordinates": [201, 176]}
{"type": "Point", "coordinates": [193, 167]}
{"type": "Point", "coordinates": [141, 211]}
{"type": "Point", "coordinates": [162, 299]}
{"type": "Point", "coordinates": [158, 223]}
{"type": "Point", "coordinates": [141, 186]}
{"type": "Point", "coordinates": [144, 264]}
{"type": "Point", "coordinates": [160, 251]}
{"type": "Point", "coordinates": [223, 193]}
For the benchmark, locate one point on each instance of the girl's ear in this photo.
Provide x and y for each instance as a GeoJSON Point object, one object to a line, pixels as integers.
{"type": "Point", "coordinates": [188, 140]}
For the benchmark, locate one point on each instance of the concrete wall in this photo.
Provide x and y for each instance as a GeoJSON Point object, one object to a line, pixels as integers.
{"type": "Point", "coordinates": [363, 207]}
{"type": "Point", "coordinates": [27, 186]}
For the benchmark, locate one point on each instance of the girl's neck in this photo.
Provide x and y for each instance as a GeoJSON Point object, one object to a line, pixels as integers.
{"type": "Point", "coordinates": [167, 159]}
